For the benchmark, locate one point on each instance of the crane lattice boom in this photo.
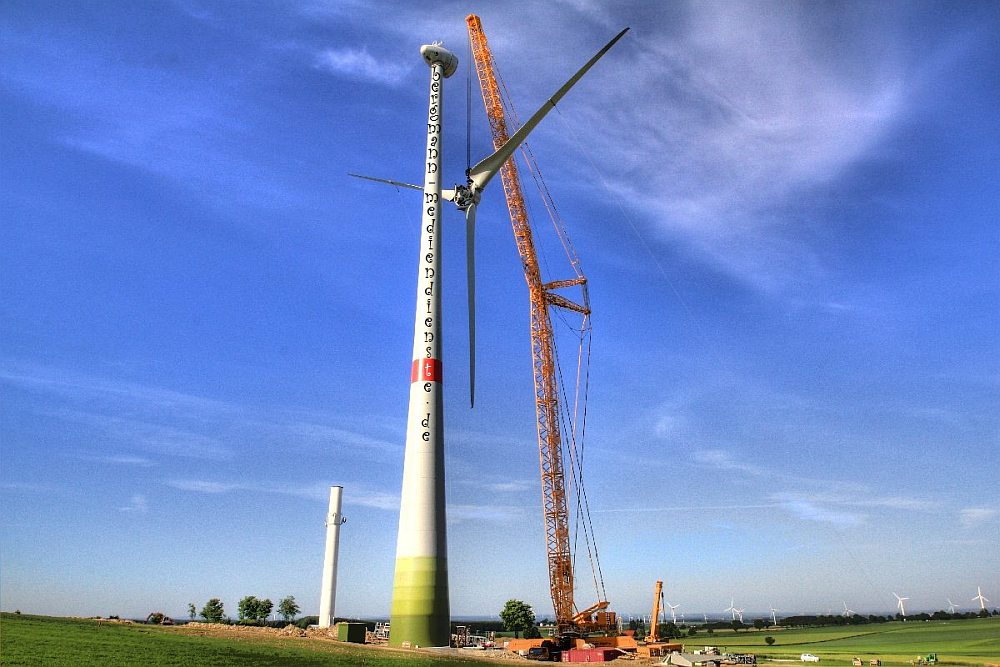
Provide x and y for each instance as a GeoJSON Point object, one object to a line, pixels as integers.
{"type": "Point", "coordinates": [541, 296]}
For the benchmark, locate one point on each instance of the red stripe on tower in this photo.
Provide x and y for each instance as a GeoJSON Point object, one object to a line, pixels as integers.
{"type": "Point", "coordinates": [426, 370]}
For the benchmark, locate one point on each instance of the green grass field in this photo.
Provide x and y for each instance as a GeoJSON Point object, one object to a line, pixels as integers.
{"type": "Point", "coordinates": [40, 641]}
{"type": "Point", "coordinates": [43, 641]}
{"type": "Point", "coordinates": [964, 642]}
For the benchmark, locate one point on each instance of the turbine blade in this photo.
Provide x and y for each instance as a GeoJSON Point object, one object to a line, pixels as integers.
{"type": "Point", "coordinates": [398, 184]}
{"type": "Point", "coordinates": [470, 269]}
{"type": "Point", "coordinates": [447, 195]}
{"type": "Point", "coordinates": [487, 168]}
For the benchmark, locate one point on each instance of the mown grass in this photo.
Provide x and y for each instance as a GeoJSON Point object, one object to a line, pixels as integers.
{"type": "Point", "coordinates": [963, 642]}
{"type": "Point", "coordinates": [43, 641]}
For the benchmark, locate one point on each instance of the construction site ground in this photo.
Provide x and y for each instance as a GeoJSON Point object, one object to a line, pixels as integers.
{"type": "Point", "coordinates": [326, 638]}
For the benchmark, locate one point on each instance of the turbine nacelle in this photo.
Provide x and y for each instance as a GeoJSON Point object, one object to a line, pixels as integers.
{"type": "Point", "coordinates": [435, 53]}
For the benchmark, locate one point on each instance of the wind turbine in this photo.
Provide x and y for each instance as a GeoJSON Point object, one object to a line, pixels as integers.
{"type": "Point", "coordinates": [774, 619]}
{"type": "Point", "coordinates": [952, 606]}
{"type": "Point", "coordinates": [420, 612]}
{"type": "Point", "coordinates": [739, 612]}
{"type": "Point", "coordinates": [902, 609]}
{"type": "Point", "coordinates": [673, 613]}
{"type": "Point", "coordinates": [731, 607]}
{"type": "Point", "coordinates": [979, 596]}
{"type": "Point", "coordinates": [848, 612]}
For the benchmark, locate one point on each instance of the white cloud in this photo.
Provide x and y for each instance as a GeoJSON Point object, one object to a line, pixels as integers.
{"type": "Point", "coordinates": [809, 511]}
{"type": "Point", "coordinates": [127, 460]}
{"type": "Point", "coordinates": [733, 116]}
{"type": "Point", "coordinates": [137, 505]}
{"type": "Point", "coordinates": [484, 513]}
{"type": "Point", "coordinates": [719, 459]}
{"type": "Point", "coordinates": [360, 64]}
{"type": "Point", "coordinates": [203, 486]}
{"type": "Point", "coordinates": [975, 516]}
{"type": "Point", "coordinates": [508, 486]}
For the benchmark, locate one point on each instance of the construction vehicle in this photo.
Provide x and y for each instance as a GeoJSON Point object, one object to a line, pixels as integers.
{"type": "Point", "coordinates": [548, 651]}
{"type": "Point", "coordinates": [570, 624]}
{"type": "Point", "coordinates": [653, 645]}
{"type": "Point", "coordinates": [542, 297]}
{"type": "Point", "coordinates": [159, 618]}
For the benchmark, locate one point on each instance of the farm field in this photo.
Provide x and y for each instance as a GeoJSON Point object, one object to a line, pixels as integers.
{"type": "Point", "coordinates": [41, 641]}
{"type": "Point", "coordinates": [964, 642]}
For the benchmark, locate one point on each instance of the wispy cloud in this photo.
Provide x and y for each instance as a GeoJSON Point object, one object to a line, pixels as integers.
{"type": "Point", "coordinates": [719, 459]}
{"type": "Point", "coordinates": [137, 504]}
{"type": "Point", "coordinates": [359, 64]}
{"type": "Point", "coordinates": [357, 495]}
{"type": "Point", "coordinates": [508, 486]}
{"type": "Point", "coordinates": [171, 424]}
{"type": "Point", "coordinates": [809, 511]}
{"type": "Point", "coordinates": [745, 110]}
{"type": "Point", "coordinates": [819, 500]}
{"type": "Point", "coordinates": [974, 516]}
{"type": "Point", "coordinates": [126, 460]}
{"type": "Point", "coordinates": [204, 486]}
{"type": "Point", "coordinates": [484, 513]}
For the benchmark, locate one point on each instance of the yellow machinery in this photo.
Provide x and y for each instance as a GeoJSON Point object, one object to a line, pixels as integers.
{"type": "Point", "coordinates": [654, 617]}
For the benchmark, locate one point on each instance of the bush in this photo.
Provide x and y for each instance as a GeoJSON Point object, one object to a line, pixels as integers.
{"type": "Point", "coordinates": [769, 640]}
{"type": "Point", "coordinates": [306, 621]}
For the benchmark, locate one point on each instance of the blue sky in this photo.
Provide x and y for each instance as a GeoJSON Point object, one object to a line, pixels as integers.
{"type": "Point", "coordinates": [787, 213]}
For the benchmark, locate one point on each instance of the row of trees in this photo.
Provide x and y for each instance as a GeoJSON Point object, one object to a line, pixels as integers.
{"type": "Point", "coordinates": [518, 617]}
{"type": "Point", "coordinates": [251, 610]}
{"type": "Point", "coordinates": [860, 619]}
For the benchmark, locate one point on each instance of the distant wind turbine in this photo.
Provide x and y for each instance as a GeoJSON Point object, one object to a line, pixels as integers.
{"type": "Point", "coordinates": [979, 596]}
{"type": "Point", "coordinates": [952, 606]}
{"type": "Point", "coordinates": [848, 612]}
{"type": "Point", "coordinates": [902, 609]}
{"type": "Point", "coordinates": [673, 612]}
{"type": "Point", "coordinates": [731, 607]}
{"type": "Point", "coordinates": [774, 619]}
{"type": "Point", "coordinates": [740, 613]}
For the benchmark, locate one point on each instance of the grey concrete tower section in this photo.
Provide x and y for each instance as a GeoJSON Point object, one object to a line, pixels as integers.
{"type": "Point", "coordinates": [328, 593]}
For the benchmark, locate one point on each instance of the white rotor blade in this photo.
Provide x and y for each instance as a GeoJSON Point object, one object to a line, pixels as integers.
{"type": "Point", "coordinates": [447, 195]}
{"type": "Point", "coordinates": [481, 174]}
{"type": "Point", "coordinates": [398, 184]}
{"type": "Point", "coordinates": [470, 268]}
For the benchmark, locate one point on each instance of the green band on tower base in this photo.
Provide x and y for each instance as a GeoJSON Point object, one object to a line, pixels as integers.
{"type": "Point", "coordinates": [420, 614]}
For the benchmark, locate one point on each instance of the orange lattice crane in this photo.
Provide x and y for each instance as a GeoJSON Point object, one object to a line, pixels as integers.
{"type": "Point", "coordinates": [654, 616]}
{"type": "Point", "coordinates": [542, 296]}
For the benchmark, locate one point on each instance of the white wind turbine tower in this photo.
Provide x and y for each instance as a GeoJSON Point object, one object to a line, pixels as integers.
{"type": "Point", "coordinates": [848, 612]}
{"type": "Point", "coordinates": [952, 606]}
{"type": "Point", "coordinates": [979, 596]}
{"type": "Point", "coordinates": [739, 613]}
{"type": "Point", "coordinates": [673, 613]}
{"type": "Point", "coordinates": [731, 607]}
{"type": "Point", "coordinates": [902, 609]}
{"type": "Point", "coordinates": [774, 619]}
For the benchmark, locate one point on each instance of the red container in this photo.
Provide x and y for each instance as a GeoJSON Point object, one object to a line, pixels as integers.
{"type": "Point", "coordinates": [590, 655]}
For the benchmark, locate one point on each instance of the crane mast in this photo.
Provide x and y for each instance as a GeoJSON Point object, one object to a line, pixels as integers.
{"type": "Point", "coordinates": [654, 623]}
{"type": "Point", "coordinates": [541, 296]}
